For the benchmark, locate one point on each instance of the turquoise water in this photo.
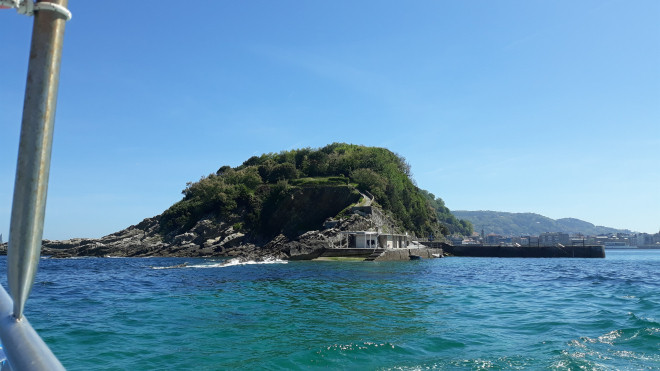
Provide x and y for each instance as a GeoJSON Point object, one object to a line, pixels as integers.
{"type": "Point", "coordinates": [452, 313]}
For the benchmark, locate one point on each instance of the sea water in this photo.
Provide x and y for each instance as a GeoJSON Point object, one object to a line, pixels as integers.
{"type": "Point", "coordinates": [451, 313]}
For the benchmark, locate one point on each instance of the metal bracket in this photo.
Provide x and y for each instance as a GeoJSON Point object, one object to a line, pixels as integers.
{"type": "Point", "coordinates": [59, 9]}
{"type": "Point", "coordinates": [28, 7]}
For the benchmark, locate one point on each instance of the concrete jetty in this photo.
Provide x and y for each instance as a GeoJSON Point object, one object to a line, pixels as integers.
{"type": "Point", "coordinates": [398, 254]}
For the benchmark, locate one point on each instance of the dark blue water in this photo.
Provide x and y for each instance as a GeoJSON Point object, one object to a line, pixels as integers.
{"type": "Point", "coordinates": [452, 313]}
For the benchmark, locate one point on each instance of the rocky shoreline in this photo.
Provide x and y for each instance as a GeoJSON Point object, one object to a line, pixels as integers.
{"type": "Point", "coordinates": [209, 238]}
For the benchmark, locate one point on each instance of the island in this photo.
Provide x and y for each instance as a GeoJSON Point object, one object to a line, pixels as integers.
{"type": "Point", "coordinates": [300, 204]}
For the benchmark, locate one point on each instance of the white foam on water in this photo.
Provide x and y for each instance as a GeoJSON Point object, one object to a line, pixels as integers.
{"type": "Point", "coordinates": [237, 261]}
{"type": "Point", "coordinates": [172, 267]}
{"type": "Point", "coordinates": [225, 263]}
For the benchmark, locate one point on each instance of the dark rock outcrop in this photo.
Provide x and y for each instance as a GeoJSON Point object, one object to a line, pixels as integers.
{"type": "Point", "coordinates": [311, 206]}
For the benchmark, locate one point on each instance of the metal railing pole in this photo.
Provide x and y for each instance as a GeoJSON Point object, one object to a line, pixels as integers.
{"type": "Point", "coordinates": [34, 153]}
{"type": "Point", "coordinates": [22, 345]}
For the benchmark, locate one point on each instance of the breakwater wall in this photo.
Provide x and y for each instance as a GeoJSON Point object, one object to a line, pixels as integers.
{"type": "Point", "coordinates": [588, 251]}
{"type": "Point", "coordinates": [346, 253]}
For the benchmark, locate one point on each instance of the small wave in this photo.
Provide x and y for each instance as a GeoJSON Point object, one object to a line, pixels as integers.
{"type": "Point", "coordinates": [184, 265]}
{"type": "Point", "coordinates": [354, 347]}
{"type": "Point", "coordinates": [497, 363]}
{"type": "Point", "coordinates": [616, 338]}
{"type": "Point", "coordinates": [238, 261]}
{"type": "Point", "coordinates": [226, 263]}
{"type": "Point", "coordinates": [633, 346]}
{"type": "Point", "coordinates": [610, 337]}
{"type": "Point", "coordinates": [644, 321]}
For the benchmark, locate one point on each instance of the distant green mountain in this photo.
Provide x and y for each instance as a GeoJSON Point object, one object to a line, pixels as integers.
{"type": "Point", "coordinates": [516, 224]}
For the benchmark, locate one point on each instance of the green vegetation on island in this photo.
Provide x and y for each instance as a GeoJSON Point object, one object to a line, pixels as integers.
{"type": "Point", "coordinates": [295, 191]}
{"type": "Point", "coordinates": [451, 224]}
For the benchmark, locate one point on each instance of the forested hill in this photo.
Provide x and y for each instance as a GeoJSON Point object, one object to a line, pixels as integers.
{"type": "Point", "coordinates": [255, 197]}
{"type": "Point", "coordinates": [517, 224]}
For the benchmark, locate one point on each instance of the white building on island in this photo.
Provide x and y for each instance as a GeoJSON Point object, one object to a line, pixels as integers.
{"type": "Point", "coordinates": [374, 240]}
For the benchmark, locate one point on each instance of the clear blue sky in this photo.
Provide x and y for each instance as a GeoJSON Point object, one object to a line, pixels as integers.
{"type": "Point", "coordinates": [547, 106]}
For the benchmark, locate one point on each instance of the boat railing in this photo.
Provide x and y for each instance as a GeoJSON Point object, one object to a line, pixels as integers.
{"type": "Point", "coordinates": [22, 346]}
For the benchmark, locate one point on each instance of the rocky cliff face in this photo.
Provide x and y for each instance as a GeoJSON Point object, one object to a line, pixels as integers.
{"type": "Point", "coordinates": [307, 208]}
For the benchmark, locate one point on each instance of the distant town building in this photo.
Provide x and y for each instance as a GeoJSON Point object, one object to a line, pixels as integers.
{"type": "Point", "coordinates": [554, 238]}
{"type": "Point", "coordinates": [578, 240]}
{"type": "Point", "coordinates": [493, 239]}
{"type": "Point", "coordinates": [645, 239]}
